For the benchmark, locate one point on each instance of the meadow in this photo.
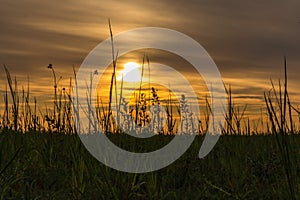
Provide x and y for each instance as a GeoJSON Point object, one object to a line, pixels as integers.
{"type": "Point", "coordinates": [56, 166]}
{"type": "Point", "coordinates": [42, 157]}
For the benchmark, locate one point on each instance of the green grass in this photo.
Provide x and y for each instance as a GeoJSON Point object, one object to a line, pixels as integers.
{"type": "Point", "coordinates": [56, 166]}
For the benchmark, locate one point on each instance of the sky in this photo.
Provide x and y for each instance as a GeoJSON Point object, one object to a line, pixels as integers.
{"type": "Point", "coordinates": [246, 39]}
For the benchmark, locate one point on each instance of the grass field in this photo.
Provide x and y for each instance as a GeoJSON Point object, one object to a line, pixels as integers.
{"type": "Point", "coordinates": [56, 166]}
{"type": "Point", "coordinates": [42, 157]}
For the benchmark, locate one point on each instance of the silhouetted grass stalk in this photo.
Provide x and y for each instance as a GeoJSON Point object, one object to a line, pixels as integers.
{"type": "Point", "coordinates": [283, 129]}
{"type": "Point", "coordinates": [15, 98]}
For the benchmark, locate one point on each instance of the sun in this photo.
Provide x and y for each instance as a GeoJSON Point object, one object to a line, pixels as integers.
{"type": "Point", "coordinates": [130, 73]}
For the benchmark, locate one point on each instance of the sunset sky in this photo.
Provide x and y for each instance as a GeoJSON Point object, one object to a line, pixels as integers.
{"type": "Point", "coordinates": [246, 39]}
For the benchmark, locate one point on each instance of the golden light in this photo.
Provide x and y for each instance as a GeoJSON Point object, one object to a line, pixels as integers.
{"type": "Point", "coordinates": [130, 73]}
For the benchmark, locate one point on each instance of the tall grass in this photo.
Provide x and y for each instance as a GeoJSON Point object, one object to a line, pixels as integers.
{"type": "Point", "coordinates": [13, 87]}
{"type": "Point", "coordinates": [238, 168]}
{"type": "Point", "coordinates": [58, 125]}
{"type": "Point", "coordinates": [21, 112]}
{"type": "Point", "coordinates": [280, 115]}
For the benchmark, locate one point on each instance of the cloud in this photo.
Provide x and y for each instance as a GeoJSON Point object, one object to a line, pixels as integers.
{"type": "Point", "coordinates": [247, 40]}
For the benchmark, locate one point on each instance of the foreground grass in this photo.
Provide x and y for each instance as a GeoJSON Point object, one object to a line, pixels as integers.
{"type": "Point", "coordinates": [55, 166]}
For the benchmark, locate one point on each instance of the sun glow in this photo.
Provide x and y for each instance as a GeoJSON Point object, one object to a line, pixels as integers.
{"type": "Point", "coordinates": [130, 73]}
